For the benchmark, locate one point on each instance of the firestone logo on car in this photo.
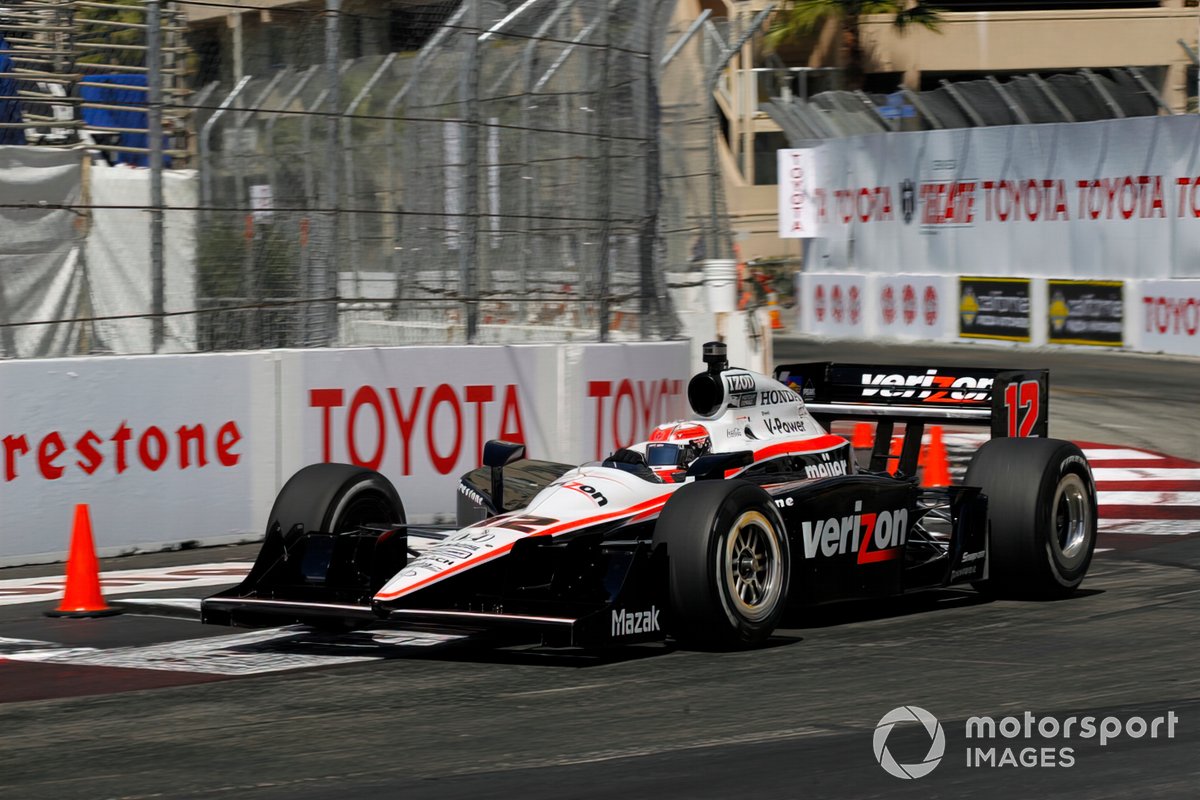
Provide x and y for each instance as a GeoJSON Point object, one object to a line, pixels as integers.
{"type": "Point", "coordinates": [875, 536]}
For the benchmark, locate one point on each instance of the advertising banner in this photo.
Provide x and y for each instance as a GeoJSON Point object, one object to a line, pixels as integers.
{"type": "Point", "coordinates": [624, 391]}
{"type": "Point", "coordinates": [833, 304]}
{"type": "Point", "coordinates": [193, 448]}
{"type": "Point", "coordinates": [797, 179]}
{"type": "Point", "coordinates": [994, 308]}
{"type": "Point", "coordinates": [1085, 200]}
{"type": "Point", "coordinates": [913, 306]}
{"type": "Point", "coordinates": [422, 415]}
{"type": "Point", "coordinates": [1169, 317]}
{"type": "Point", "coordinates": [164, 449]}
{"type": "Point", "coordinates": [1085, 312]}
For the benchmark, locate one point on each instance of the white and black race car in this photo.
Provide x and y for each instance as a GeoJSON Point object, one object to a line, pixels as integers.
{"type": "Point", "coordinates": [708, 532]}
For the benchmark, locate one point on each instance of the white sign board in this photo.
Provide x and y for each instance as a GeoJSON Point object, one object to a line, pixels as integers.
{"type": "Point", "coordinates": [797, 179]}
{"type": "Point", "coordinates": [165, 449]}
{"type": "Point", "coordinates": [1169, 315]}
{"type": "Point", "coordinates": [912, 306]}
{"type": "Point", "coordinates": [833, 304]}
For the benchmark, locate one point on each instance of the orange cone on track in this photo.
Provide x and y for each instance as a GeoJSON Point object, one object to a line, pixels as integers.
{"type": "Point", "coordinates": [894, 454]}
{"type": "Point", "coordinates": [81, 595]}
{"type": "Point", "coordinates": [862, 438]}
{"type": "Point", "coordinates": [937, 462]}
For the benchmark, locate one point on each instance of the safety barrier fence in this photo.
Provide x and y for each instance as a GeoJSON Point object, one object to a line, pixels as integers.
{"type": "Point", "coordinates": [176, 449]}
{"type": "Point", "coordinates": [1151, 315]}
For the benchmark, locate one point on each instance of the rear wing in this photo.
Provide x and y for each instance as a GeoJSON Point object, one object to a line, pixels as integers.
{"type": "Point", "coordinates": [1008, 402]}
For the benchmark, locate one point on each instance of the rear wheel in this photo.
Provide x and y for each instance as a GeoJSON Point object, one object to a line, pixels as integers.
{"type": "Point", "coordinates": [1042, 515]}
{"type": "Point", "coordinates": [728, 564]}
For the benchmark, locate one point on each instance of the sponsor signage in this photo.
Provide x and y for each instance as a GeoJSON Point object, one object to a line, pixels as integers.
{"type": "Point", "coordinates": [797, 209]}
{"type": "Point", "coordinates": [193, 448]}
{"type": "Point", "coordinates": [1168, 316]}
{"type": "Point", "coordinates": [834, 304]}
{"type": "Point", "coordinates": [1115, 193]}
{"type": "Point", "coordinates": [912, 306]}
{"type": "Point", "coordinates": [994, 308]}
{"type": "Point", "coordinates": [1085, 312]}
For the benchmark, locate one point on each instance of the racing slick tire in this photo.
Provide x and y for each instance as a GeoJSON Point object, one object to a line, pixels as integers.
{"type": "Point", "coordinates": [1042, 516]}
{"type": "Point", "coordinates": [335, 498]}
{"type": "Point", "coordinates": [728, 564]}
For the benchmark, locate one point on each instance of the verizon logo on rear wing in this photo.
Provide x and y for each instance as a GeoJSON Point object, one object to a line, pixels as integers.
{"type": "Point", "coordinates": [1010, 402]}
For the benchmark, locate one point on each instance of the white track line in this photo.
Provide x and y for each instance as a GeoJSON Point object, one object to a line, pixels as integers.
{"type": "Point", "coordinates": [1117, 453]}
{"type": "Point", "coordinates": [1145, 474]}
{"type": "Point", "coordinates": [1150, 527]}
{"type": "Point", "coordinates": [1149, 499]}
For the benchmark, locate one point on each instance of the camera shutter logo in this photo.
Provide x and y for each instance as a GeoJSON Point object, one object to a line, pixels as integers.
{"type": "Point", "coordinates": [937, 746]}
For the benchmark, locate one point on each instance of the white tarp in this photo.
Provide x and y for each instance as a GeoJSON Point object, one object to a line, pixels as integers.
{"type": "Point", "coordinates": [39, 249]}
{"type": "Point", "coordinates": [1110, 199]}
{"type": "Point", "coordinates": [118, 258]}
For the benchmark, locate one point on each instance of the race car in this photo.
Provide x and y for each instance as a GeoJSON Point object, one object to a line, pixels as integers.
{"type": "Point", "coordinates": [708, 532]}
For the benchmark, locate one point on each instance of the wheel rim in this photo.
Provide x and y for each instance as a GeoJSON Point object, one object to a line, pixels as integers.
{"type": "Point", "coordinates": [1072, 521]}
{"type": "Point", "coordinates": [368, 508]}
{"type": "Point", "coordinates": [752, 566]}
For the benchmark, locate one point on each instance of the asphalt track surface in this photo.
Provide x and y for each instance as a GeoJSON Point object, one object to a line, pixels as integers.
{"type": "Point", "coordinates": [795, 719]}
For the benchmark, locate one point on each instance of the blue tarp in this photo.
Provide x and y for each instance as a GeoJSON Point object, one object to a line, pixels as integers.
{"type": "Point", "coordinates": [10, 110]}
{"type": "Point", "coordinates": [135, 117]}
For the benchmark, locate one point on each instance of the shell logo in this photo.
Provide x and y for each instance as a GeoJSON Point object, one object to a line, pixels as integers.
{"type": "Point", "coordinates": [968, 307]}
{"type": "Point", "coordinates": [1059, 311]}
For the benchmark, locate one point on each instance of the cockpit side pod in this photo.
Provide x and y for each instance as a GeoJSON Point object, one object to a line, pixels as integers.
{"type": "Point", "coordinates": [847, 535]}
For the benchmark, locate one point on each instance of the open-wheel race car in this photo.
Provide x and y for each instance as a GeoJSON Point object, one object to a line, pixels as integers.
{"type": "Point", "coordinates": [707, 532]}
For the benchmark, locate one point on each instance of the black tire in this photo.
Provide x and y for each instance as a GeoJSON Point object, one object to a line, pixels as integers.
{"type": "Point", "coordinates": [1042, 516]}
{"type": "Point", "coordinates": [719, 599]}
{"type": "Point", "coordinates": [335, 498]}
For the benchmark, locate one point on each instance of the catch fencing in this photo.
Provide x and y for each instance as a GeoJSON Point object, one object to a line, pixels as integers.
{"type": "Point", "coordinates": [367, 173]}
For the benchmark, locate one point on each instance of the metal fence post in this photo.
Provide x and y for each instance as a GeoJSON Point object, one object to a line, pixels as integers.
{"type": "Point", "coordinates": [603, 128]}
{"type": "Point", "coordinates": [469, 224]}
{"type": "Point", "coordinates": [323, 280]}
{"type": "Point", "coordinates": [648, 304]}
{"type": "Point", "coordinates": [154, 109]}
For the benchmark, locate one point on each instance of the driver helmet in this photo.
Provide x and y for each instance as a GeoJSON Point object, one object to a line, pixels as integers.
{"type": "Point", "coordinates": [673, 447]}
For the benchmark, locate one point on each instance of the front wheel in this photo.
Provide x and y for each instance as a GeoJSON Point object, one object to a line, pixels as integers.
{"type": "Point", "coordinates": [1042, 515]}
{"type": "Point", "coordinates": [728, 564]}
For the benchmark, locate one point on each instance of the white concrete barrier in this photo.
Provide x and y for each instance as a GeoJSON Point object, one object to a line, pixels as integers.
{"type": "Point", "coordinates": [192, 448]}
{"type": "Point", "coordinates": [1152, 316]}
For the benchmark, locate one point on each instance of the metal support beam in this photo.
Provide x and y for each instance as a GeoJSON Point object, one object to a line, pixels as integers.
{"type": "Point", "coordinates": [685, 37]}
{"type": "Point", "coordinates": [1012, 104]}
{"type": "Point", "coordinates": [205, 147]}
{"type": "Point", "coordinates": [725, 53]}
{"type": "Point", "coordinates": [1105, 95]}
{"type": "Point", "coordinates": [154, 110]}
{"type": "Point", "coordinates": [1149, 89]}
{"type": "Point", "coordinates": [957, 96]}
{"type": "Point", "coordinates": [915, 99]}
{"type": "Point", "coordinates": [322, 317]}
{"type": "Point", "coordinates": [1054, 99]}
{"type": "Point", "coordinates": [468, 223]}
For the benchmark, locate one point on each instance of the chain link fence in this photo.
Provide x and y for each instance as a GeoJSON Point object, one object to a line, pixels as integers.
{"type": "Point", "coordinates": [366, 173]}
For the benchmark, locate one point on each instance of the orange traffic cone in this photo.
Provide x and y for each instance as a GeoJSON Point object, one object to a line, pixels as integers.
{"type": "Point", "coordinates": [894, 454]}
{"type": "Point", "coordinates": [937, 463]}
{"type": "Point", "coordinates": [862, 438]}
{"type": "Point", "coordinates": [81, 595]}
